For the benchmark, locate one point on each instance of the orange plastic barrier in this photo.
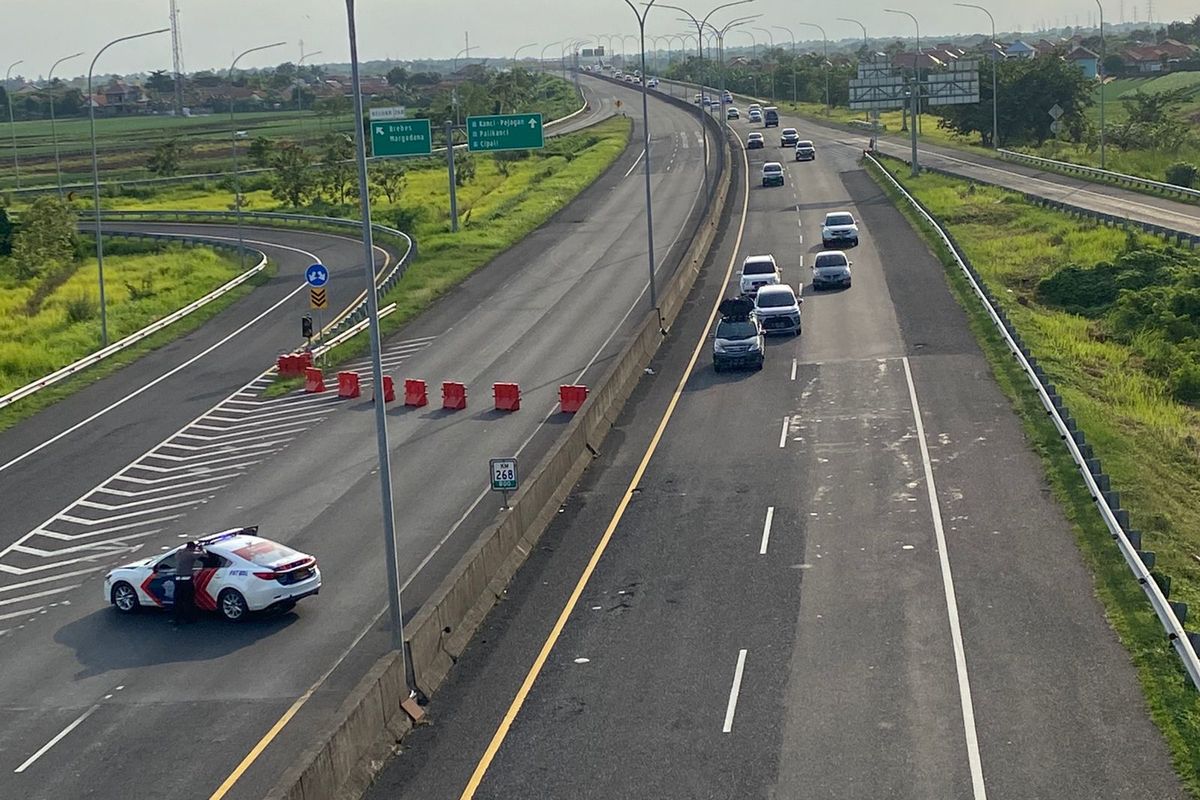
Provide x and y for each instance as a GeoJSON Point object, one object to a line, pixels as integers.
{"type": "Point", "coordinates": [508, 396]}
{"type": "Point", "coordinates": [348, 384]}
{"type": "Point", "coordinates": [415, 393]}
{"type": "Point", "coordinates": [314, 381]}
{"type": "Point", "coordinates": [389, 389]}
{"type": "Point", "coordinates": [454, 395]}
{"type": "Point", "coordinates": [571, 397]}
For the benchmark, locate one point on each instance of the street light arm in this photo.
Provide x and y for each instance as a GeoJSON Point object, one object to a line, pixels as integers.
{"type": "Point", "coordinates": [791, 35]}
{"type": "Point", "coordinates": [248, 52]}
{"type": "Point", "coordinates": [50, 77]}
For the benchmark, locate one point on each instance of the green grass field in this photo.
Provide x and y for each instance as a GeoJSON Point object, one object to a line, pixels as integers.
{"type": "Point", "coordinates": [1146, 441]}
{"type": "Point", "coordinates": [33, 346]}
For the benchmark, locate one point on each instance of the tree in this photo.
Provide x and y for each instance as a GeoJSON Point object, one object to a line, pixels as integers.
{"type": "Point", "coordinates": [339, 172]}
{"type": "Point", "coordinates": [159, 81]}
{"type": "Point", "coordinates": [333, 107]}
{"type": "Point", "coordinates": [388, 177]}
{"type": "Point", "coordinates": [1028, 89]}
{"type": "Point", "coordinates": [259, 151]}
{"type": "Point", "coordinates": [46, 238]}
{"type": "Point", "coordinates": [167, 157]}
{"type": "Point", "coordinates": [6, 232]}
{"type": "Point", "coordinates": [398, 77]}
{"type": "Point", "coordinates": [294, 177]}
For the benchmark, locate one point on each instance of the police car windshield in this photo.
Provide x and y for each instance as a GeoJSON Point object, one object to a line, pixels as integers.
{"type": "Point", "coordinates": [742, 329]}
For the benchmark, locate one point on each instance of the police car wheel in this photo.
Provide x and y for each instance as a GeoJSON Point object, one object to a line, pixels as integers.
{"type": "Point", "coordinates": [124, 598]}
{"type": "Point", "coordinates": [233, 606]}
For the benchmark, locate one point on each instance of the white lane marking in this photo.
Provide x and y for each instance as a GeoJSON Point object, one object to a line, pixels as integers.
{"type": "Point", "coordinates": [38, 595]}
{"type": "Point", "coordinates": [793, 369]}
{"type": "Point", "coordinates": [766, 537]}
{"type": "Point", "coordinates": [960, 658]}
{"type": "Point", "coordinates": [61, 734]}
{"type": "Point", "coordinates": [635, 163]}
{"type": "Point", "coordinates": [22, 613]}
{"type": "Point", "coordinates": [152, 383]}
{"type": "Point", "coordinates": [733, 692]}
{"type": "Point", "coordinates": [783, 433]}
{"type": "Point", "coordinates": [51, 579]}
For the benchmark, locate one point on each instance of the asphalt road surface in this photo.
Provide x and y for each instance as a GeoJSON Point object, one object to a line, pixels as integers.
{"type": "Point", "coordinates": [1104, 198]}
{"type": "Point", "coordinates": [840, 577]}
{"type": "Point", "coordinates": [92, 704]}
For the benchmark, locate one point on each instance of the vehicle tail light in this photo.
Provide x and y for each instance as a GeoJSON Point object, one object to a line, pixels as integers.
{"type": "Point", "coordinates": [266, 576]}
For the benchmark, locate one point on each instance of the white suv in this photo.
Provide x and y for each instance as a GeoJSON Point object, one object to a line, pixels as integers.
{"type": "Point", "coordinates": [758, 271]}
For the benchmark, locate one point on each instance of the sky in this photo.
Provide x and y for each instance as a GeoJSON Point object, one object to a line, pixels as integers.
{"type": "Point", "coordinates": [214, 31]}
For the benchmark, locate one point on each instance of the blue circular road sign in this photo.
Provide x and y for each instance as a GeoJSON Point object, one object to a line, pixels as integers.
{"type": "Point", "coordinates": [317, 275]}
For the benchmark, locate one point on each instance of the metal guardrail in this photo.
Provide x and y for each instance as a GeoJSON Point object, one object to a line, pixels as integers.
{"type": "Point", "coordinates": [1074, 440]}
{"type": "Point", "coordinates": [1103, 174]}
{"type": "Point", "coordinates": [133, 338]}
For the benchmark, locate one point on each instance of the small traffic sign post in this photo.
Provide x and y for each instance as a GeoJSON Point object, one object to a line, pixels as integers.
{"type": "Point", "coordinates": [503, 473]}
{"type": "Point", "coordinates": [317, 275]}
{"type": "Point", "coordinates": [405, 137]}
{"type": "Point", "coordinates": [505, 132]}
{"type": "Point", "coordinates": [318, 299]}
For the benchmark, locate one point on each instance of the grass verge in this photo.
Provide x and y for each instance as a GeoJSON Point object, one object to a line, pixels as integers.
{"type": "Point", "coordinates": [46, 397]}
{"type": "Point", "coordinates": [1133, 450]}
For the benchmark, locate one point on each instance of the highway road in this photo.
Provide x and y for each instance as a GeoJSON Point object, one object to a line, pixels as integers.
{"type": "Point", "coordinates": [1104, 198]}
{"type": "Point", "coordinates": [840, 577]}
{"type": "Point", "coordinates": [93, 704]}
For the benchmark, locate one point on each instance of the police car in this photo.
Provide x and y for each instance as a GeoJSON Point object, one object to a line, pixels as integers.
{"type": "Point", "coordinates": [238, 572]}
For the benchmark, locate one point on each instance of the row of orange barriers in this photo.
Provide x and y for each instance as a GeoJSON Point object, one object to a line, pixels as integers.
{"type": "Point", "coordinates": [507, 396]}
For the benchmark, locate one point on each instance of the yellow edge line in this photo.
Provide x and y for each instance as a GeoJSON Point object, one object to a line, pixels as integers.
{"type": "Point", "coordinates": [253, 755]}
{"type": "Point", "coordinates": [522, 693]}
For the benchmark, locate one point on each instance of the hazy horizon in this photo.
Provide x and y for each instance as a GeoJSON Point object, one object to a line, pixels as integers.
{"type": "Point", "coordinates": [214, 31]}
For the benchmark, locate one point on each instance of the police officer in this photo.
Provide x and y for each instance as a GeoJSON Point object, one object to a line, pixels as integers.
{"type": "Point", "coordinates": [185, 595]}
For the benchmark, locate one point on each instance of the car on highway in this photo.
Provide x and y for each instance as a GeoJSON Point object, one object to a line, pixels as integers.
{"type": "Point", "coordinates": [805, 151]}
{"type": "Point", "coordinates": [831, 268]}
{"type": "Point", "coordinates": [754, 107]}
{"type": "Point", "coordinates": [757, 272]}
{"type": "Point", "coordinates": [754, 115]}
{"type": "Point", "coordinates": [732, 113]}
{"type": "Point", "coordinates": [727, 97]}
{"type": "Point", "coordinates": [755, 141]}
{"type": "Point", "coordinates": [652, 83]}
{"type": "Point", "coordinates": [770, 117]}
{"type": "Point", "coordinates": [698, 98]}
{"type": "Point", "coordinates": [778, 309]}
{"type": "Point", "coordinates": [839, 228]}
{"type": "Point", "coordinates": [772, 174]}
{"type": "Point", "coordinates": [788, 137]}
{"type": "Point", "coordinates": [238, 573]}
{"type": "Point", "coordinates": [738, 340]}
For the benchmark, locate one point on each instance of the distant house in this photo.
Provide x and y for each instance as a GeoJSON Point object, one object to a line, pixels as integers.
{"type": "Point", "coordinates": [925, 60]}
{"type": "Point", "coordinates": [1157, 57]}
{"type": "Point", "coordinates": [1087, 61]}
{"type": "Point", "coordinates": [120, 98]}
{"type": "Point", "coordinates": [1020, 49]}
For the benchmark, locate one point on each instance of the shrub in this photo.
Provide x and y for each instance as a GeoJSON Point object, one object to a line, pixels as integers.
{"type": "Point", "coordinates": [81, 308]}
{"type": "Point", "coordinates": [406, 219]}
{"type": "Point", "coordinates": [1181, 173]}
{"type": "Point", "coordinates": [1185, 384]}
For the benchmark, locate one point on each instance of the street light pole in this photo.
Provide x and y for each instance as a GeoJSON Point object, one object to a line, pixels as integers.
{"type": "Point", "coordinates": [518, 51]}
{"type": "Point", "coordinates": [12, 122]}
{"type": "Point", "coordinates": [791, 36]}
{"type": "Point", "coordinates": [542, 57]}
{"type": "Point", "coordinates": [237, 186]}
{"type": "Point", "coordinates": [866, 44]}
{"type": "Point", "coordinates": [381, 435]}
{"type": "Point", "coordinates": [825, 56]}
{"type": "Point", "coordinates": [1100, 72]}
{"type": "Point", "coordinates": [53, 130]}
{"type": "Point", "coordinates": [995, 67]}
{"type": "Point", "coordinates": [96, 176]}
{"type": "Point", "coordinates": [699, 23]}
{"type": "Point", "coordinates": [303, 55]}
{"type": "Point", "coordinates": [641, 18]}
{"type": "Point", "coordinates": [771, 39]}
{"type": "Point", "coordinates": [454, 91]}
{"type": "Point", "coordinates": [916, 90]}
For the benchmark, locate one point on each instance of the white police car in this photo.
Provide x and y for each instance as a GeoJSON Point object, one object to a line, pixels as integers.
{"type": "Point", "coordinates": [238, 572]}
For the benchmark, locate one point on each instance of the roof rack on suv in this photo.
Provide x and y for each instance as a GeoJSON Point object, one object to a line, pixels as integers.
{"type": "Point", "coordinates": [735, 309]}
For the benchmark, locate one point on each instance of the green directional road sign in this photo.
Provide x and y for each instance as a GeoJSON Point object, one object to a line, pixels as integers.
{"type": "Point", "coordinates": [401, 137]}
{"type": "Point", "coordinates": [505, 132]}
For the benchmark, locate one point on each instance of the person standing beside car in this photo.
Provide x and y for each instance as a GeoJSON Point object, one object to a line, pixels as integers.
{"type": "Point", "coordinates": [185, 593]}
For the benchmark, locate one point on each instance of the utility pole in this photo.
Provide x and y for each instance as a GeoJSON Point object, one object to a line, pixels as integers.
{"type": "Point", "coordinates": [177, 58]}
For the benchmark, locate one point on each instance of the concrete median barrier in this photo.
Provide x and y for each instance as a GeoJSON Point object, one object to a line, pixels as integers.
{"type": "Point", "coordinates": [370, 722]}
